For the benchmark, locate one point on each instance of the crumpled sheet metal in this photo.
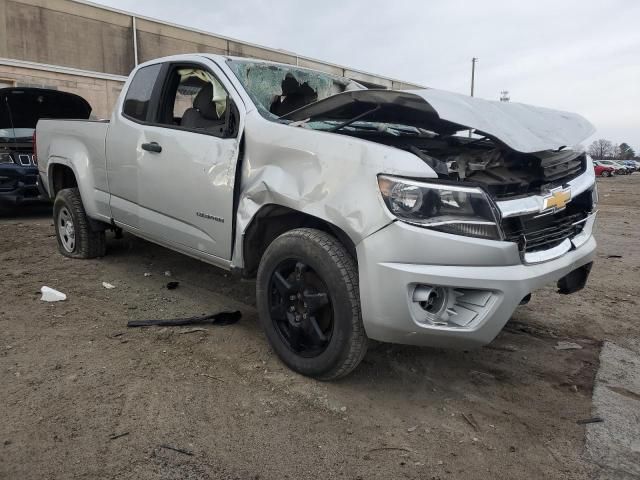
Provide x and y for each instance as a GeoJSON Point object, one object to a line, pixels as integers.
{"type": "Point", "coordinates": [523, 128]}
{"type": "Point", "coordinates": [332, 177]}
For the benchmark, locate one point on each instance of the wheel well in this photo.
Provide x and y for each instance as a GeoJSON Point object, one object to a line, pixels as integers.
{"type": "Point", "coordinates": [274, 220]}
{"type": "Point", "coordinates": [62, 177]}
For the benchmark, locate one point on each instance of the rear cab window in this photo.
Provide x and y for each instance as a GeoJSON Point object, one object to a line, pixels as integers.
{"type": "Point", "coordinates": [138, 98]}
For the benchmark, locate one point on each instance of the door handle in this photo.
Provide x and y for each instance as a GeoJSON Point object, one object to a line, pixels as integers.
{"type": "Point", "coordinates": [152, 147]}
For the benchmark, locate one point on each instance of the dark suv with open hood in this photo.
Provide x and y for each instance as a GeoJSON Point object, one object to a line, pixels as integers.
{"type": "Point", "coordinates": [20, 110]}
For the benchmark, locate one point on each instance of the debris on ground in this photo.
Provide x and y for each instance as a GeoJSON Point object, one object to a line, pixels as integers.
{"type": "Point", "coordinates": [179, 450]}
{"type": "Point", "coordinates": [119, 435]}
{"type": "Point", "coordinates": [172, 285]}
{"type": "Point", "coordinates": [192, 330]}
{"type": "Point", "coordinates": [400, 449]}
{"type": "Point", "coordinates": [211, 376]}
{"type": "Point", "coordinates": [221, 318]}
{"type": "Point", "coordinates": [471, 421]}
{"type": "Point", "coordinates": [412, 429]}
{"type": "Point", "coordinates": [51, 295]}
{"type": "Point", "coordinates": [147, 274]}
{"type": "Point", "coordinates": [108, 285]}
{"type": "Point", "coordinates": [614, 256]}
{"type": "Point", "coordinates": [167, 273]}
{"type": "Point", "coordinates": [590, 420]}
{"type": "Point", "coordinates": [567, 346]}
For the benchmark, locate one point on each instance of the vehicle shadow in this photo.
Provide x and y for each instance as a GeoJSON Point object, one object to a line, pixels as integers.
{"type": "Point", "coordinates": [36, 210]}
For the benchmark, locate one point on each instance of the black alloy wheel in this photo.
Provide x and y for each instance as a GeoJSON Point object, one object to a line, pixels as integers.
{"type": "Point", "coordinates": [300, 308]}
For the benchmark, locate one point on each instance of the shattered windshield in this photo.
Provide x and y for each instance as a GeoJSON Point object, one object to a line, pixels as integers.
{"type": "Point", "coordinates": [279, 89]}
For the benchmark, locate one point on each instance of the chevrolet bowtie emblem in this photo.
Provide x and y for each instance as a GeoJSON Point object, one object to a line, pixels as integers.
{"type": "Point", "coordinates": [557, 199]}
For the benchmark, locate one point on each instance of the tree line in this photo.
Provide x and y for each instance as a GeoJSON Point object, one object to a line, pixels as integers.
{"type": "Point", "coordinates": [604, 149]}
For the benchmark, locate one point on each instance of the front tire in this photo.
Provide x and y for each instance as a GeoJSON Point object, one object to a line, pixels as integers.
{"type": "Point", "coordinates": [75, 237]}
{"type": "Point", "coordinates": [309, 304]}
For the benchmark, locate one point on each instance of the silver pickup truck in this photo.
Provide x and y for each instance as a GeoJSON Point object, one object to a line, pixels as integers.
{"type": "Point", "coordinates": [418, 217]}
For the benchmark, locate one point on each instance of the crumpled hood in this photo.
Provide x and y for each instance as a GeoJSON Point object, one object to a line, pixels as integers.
{"type": "Point", "coordinates": [23, 107]}
{"type": "Point", "coordinates": [523, 128]}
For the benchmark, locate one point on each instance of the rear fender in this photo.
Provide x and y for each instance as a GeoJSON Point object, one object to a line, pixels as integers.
{"type": "Point", "coordinates": [78, 162]}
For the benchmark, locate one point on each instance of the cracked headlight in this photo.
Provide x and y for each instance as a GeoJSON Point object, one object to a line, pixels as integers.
{"type": "Point", "coordinates": [446, 207]}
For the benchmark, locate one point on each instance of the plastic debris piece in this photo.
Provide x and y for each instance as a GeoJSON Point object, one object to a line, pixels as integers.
{"type": "Point", "coordinates": [108, 286]}
{"type": "Point", "coordinates": [172, 285]}
{"type": "Point", "coordinates": [167, 273]}
{"type": "Point", "coordinates": [179, 450]}
{"type": "Point", "coordinates": [51, 295]}
{"type": "Point", "coordinates": [147, 274]}
{"type": "Point", "coordinates": [586, 421]}
{"type": "Point", "coordinates": [221, 318]}
{"type": "Point", "coordinates": [567, 346]}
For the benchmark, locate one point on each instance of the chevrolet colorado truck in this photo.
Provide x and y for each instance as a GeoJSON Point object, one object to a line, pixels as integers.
{"type": "Point", "coordinates": [20, 110]}
{"type": "Point", "coordinates": [418, 217]}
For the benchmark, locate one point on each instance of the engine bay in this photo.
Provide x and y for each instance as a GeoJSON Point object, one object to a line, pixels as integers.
{"type": "Point", "coordinates": [503, 172]}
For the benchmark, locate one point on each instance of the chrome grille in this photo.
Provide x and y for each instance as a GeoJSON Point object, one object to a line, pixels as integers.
{"type": "Point", "coordinates": [562, 167]}
{"type": "Point", "coordinates": [535, 233]}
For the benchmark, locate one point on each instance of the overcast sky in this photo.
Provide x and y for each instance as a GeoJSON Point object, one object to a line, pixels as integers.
{"type": "Point", "coordinates": [577, 55]}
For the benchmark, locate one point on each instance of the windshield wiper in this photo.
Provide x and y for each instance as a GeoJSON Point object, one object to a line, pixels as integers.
{"type": "Point", "coordinates": [354, 119]}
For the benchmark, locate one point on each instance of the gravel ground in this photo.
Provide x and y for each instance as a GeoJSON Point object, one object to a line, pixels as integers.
{"type": "Point", "coordinates": [83, 397]}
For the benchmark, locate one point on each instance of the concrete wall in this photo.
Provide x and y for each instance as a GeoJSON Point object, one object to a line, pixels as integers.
{"type": "Point", "coordinates": [100, 93]}
{"type": "Point", "coordinates": [59, 32]}
{"type": "Point", "coordinates": [99, 42]}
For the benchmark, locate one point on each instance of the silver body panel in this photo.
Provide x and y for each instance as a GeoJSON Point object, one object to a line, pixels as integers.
{"type": "Point", "coordinates": [401, 255]}
{"type": "Point", "coordinates": [329, 176]}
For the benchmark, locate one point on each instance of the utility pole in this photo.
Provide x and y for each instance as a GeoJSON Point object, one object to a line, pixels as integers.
{"type": "Point", "coordinates": [474, 60]}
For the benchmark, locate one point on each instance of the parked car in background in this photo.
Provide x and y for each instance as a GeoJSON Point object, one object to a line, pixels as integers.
{"type": "Point", "coordinates": [629, 169]}
{"type": "Point", "coordinates": [619, 169]}
{"type": "Point", "coordinates": [632, 164]}
{"type": "Point", "coordinates": [362, 213]}
{"type": "Point", "coordinates": [20, 110]}
{"type": "Point", "coordinates": [604, 171]}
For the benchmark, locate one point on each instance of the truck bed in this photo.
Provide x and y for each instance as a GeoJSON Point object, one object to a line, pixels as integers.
{"type": "Point", "coordinates": [85, 140]}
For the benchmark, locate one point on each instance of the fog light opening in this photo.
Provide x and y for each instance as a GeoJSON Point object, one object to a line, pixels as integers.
{"type": "Point", "coordinates": [450, 307]}
{"type": "Point", "coordinates": [432, 302]}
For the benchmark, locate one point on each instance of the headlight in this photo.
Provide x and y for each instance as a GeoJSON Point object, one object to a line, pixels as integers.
{"type": "Point", "coordinates": [5, 158]}
{"type": "Point", "coordinates": [444, 207]}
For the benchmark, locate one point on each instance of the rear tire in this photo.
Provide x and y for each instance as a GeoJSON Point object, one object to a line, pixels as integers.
{"type": "Point", "coordinates": [309, 304]}
{"type": "Point", "coordinates": [75, 237]}
{"type": "Point", "coordinates": [605, 173]}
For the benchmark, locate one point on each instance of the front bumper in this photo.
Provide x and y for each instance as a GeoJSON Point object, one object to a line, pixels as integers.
{"type": "Point", "coordinates": [395, 259]}
{"type": "Point", "coordinates": [18, 185]}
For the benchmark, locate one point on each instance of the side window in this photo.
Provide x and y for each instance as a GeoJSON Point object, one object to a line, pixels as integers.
{"type": "Point", "coordinates": [136, 103]}
{"type": "Point", "coordinates": [194, 99]}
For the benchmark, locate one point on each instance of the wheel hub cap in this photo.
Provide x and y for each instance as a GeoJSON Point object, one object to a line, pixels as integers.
{"type": "Point", "coordinates": [301, 308]}
{"type": "Point", "coordinates": [66, 230]}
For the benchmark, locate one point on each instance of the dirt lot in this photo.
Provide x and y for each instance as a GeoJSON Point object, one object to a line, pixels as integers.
{"type": "Point", "coordinates": [73, 378]}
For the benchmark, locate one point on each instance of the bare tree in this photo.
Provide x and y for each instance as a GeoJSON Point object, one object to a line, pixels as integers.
{"type": "Point", "coordinates": [617, 152]}
{"type": "Point", "coordinates": [601, 149]}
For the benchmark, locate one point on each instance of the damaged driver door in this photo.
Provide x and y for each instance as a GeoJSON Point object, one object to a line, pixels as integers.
{"type": "Point", "coordinates": [185, 163]}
